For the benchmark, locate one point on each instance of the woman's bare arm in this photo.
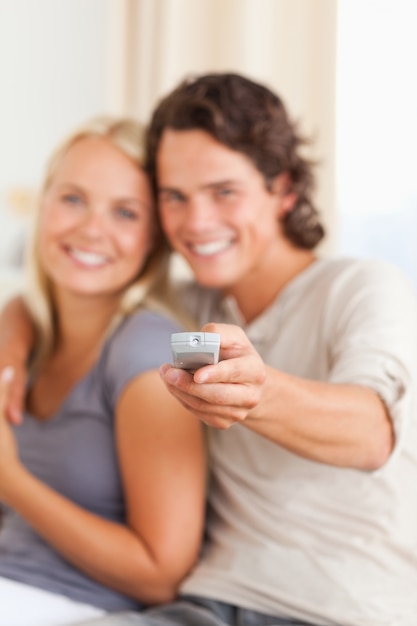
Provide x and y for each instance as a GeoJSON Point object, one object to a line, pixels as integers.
{"type": "Point", "coordinates": [162, 462]}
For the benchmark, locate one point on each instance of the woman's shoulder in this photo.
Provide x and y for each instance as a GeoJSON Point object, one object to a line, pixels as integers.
{"type": "Point", "coordinates": [140, 342]}
{"type": "Point", "coordinates": [143, 336]}
{"type": "Point", "coordinates": [144, 322]}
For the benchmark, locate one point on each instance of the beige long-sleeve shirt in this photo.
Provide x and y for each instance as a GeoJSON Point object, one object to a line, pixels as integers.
{"type": "Point", "coordinates": [291, 537]}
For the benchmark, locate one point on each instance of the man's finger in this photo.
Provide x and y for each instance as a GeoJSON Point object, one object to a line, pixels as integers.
{"type": "Point", "coordinates": [247, 369]}
{"type": "Point", "coordinates": [233, 340]}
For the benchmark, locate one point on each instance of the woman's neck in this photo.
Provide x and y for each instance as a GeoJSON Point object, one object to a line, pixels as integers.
{"type": "Point", "coordinates": [82, 320]}
{"type": "Point", "coordinates": [81, 327]}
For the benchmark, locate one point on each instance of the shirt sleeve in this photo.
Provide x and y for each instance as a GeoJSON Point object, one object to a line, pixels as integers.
{"type": "Point", "coordinates": [142, 342]}
{"type": "Point", "coordinates": [374, 337]}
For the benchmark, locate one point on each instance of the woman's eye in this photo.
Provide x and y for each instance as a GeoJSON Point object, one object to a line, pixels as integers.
{"type": "Point", "coordinates": [126, 214]}
{"type": "Point", "coordinates": [72, 198]}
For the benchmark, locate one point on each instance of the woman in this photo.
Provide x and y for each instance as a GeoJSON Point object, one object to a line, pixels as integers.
{"type": "Point", "coordinates": [102, 488]}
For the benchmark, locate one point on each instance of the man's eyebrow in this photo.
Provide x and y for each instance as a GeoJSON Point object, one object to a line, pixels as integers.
{"type": "Point", "coordinates": [222, 183]}
{"type": "Point", "coordinates": [167, 188]}
{"type": "Point", "coordinates": [210, 185]}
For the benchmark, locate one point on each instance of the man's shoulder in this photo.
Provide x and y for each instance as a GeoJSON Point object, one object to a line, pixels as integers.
{"type": "Point", "coordinates": [350, 270]}
{"type": "Point", "coordinates": [372, 288]}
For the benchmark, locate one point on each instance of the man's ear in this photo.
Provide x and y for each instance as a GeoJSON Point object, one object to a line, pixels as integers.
{"type": "Point", "coordinates": [282, 186]}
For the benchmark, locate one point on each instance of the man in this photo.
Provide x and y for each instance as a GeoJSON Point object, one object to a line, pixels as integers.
{"type": "Point", "coordinates": [312, 517]}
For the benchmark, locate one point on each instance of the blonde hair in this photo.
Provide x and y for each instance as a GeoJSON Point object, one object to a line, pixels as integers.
{"type": "Point", "coordinates": [149, 289]}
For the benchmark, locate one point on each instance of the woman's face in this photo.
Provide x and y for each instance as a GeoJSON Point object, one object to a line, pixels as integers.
{"type": "Point", "coordinates": [96, 224]}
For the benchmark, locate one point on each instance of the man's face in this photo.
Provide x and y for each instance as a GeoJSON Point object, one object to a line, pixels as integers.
{"type": "Point", "coordinates": [216, 210]}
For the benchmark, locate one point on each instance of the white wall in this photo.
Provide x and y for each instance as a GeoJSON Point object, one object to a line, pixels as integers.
{"type": "Point", "coordinates": [377, 130]}
{"type": "Point", "coordinates": [53, 76]}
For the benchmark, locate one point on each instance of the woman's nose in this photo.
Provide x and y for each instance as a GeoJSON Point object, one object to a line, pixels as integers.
{"type": "Point", "coordinates": [94, 223]}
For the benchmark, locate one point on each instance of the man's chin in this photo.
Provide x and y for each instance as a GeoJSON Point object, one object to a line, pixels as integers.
{"type": "Point", "coordinates": [213, 280]}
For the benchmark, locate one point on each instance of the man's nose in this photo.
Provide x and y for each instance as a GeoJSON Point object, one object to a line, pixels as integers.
{"type": "Point", "coordinates": [200, 213]}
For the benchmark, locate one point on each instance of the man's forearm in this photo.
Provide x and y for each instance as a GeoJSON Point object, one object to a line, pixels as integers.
{"type": "Point", "coordinates": [17, 337]}
{"type": "Point", "coordinates": [343, 425]}
{"type": "Point", "coordinates": [17, 334]}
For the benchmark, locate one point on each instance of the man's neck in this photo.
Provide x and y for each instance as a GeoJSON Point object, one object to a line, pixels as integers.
{"type": "Point", "coordinates": [259, 289]}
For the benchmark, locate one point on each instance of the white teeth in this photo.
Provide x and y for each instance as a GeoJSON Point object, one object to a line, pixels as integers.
{"type": "Point", "coordinates": [212, 247]}
{"type": "Point", "coordinates": [91, 259]}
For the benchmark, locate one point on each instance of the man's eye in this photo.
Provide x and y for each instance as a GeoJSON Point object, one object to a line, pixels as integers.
{"type": "Point", "coordinates": [125, 213]}
{"type": "Point", "coordinates": [171, 196]}
{"type": "Point", "coordinates": [224, 192]}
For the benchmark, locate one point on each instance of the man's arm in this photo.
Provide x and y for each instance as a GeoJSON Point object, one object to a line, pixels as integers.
{"type": "Point", "coordinates": [17, 337]}
{"type": "Point", "coordinates": [343, 425]}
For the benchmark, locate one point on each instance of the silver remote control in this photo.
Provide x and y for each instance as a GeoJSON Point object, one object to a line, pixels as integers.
{"type": "Point", "coordinates": [193, 350]}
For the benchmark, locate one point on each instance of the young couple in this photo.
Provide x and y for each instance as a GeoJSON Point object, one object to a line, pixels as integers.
{"type": "Point", "coordinates": [311, 517]}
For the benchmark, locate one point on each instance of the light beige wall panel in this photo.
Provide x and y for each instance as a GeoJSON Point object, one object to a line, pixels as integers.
{"type": "Point", "coordinates": [288, 44]}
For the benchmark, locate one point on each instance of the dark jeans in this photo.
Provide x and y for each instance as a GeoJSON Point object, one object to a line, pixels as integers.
{"type": "Point", "coordinates": [194, 611]}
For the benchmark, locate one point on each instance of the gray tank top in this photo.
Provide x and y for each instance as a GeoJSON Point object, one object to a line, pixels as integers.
{"type": "Point", "coordinates": [74, 453]}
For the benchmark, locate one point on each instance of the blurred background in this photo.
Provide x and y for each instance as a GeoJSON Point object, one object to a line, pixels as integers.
{"type": "Point", "coordinates": [344, 68]}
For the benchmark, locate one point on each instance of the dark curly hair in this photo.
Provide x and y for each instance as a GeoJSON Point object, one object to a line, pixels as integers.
{"type": "Point", "coordinates": [249, 118]}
